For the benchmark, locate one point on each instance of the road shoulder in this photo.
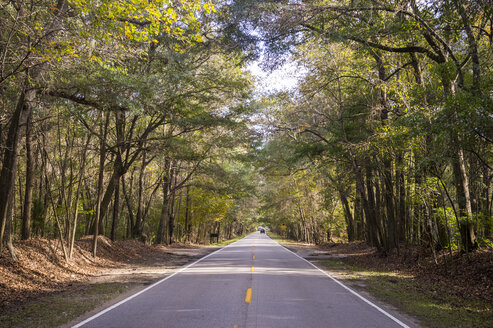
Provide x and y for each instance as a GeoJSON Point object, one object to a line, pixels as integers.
{"type": "Point", "coordinates": [81, 299]}
{"type": "Point", "coordinates": [397, 289]}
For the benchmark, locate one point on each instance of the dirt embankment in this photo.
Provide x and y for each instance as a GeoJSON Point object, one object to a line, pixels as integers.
{"type": "Point", "coordinates": [41, 268]}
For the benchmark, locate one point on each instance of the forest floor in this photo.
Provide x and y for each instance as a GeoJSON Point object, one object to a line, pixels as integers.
{"type": "Point", "coordinates": [456, 292]}
{"type": "Point", "coordinates": [42, 290]}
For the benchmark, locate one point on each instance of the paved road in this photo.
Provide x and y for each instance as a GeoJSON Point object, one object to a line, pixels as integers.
{"type": "Point", "coordinates": [254, 282]}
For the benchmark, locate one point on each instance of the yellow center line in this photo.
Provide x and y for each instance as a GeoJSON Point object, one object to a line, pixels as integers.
{"type": "Point", "coordinates": [253, 257]}
{"type": "Point", "coordinates": [248, 297]}
{"type": "Point", "coordinates": [252, 269]}
{"type": "Point", "coordinates": [235, 326]}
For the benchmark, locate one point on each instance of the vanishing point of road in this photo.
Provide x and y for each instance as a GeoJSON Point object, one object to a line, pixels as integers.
{"type": "Point", "coordinates": [254, 282]}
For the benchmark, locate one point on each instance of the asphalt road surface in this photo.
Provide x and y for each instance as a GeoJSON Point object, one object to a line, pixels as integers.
{"type": "Point", "coordinates": [253, 282]}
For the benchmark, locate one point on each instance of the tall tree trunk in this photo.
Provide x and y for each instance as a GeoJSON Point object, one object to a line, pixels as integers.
{"type": "Point", "coordinates": [401, 189]}
{"type": "Point", "coordinates": [103, 129]}
{"type": "Point", "coordinates": [28, 195]}
{"type": "Point", "coordinates": [161, 235]}
{"type": "Point", "coordinates": [388, 192]}
{"type": "Point", "coordinates": [171, 204]}
{"type": "Point", "coordinates": [486, 201]}
{"type": "Point", "coordinates": [77, 196]}
{"type": "Point", "coordinates": [58, 227]}
{"type": "Point", "coordinates": [116, 211]}
{"type": "Point", "coordinates": [179, 233]}
{"type": "Point", "coordinates": [188, 225]}
{"type": "Point", "coordinates": [140, 197]}
{"type": "Point", "coordinates": [463, 192]}
{"type": "Point", "coordinates": [19, 118]}
{"type": "Point", "coordinates": [392, 233]}
{"type": "Point", "coordinates": [347, 215]}
{"type": "Point", "coordinates": [9, 161]}
{"type": "Point", "coordinates": [9, 227]}
{"type": "Point", "coordinates": [130, 225]}
{"type": "Point", "coordinates": [358, 212]}
{"type": "Point", "coordinates": [372, 221]}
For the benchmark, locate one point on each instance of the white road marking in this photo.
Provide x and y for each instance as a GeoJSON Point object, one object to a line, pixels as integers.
{"type": "Point", "coordinates": [400, 323]}
{"type": "Point", "coordinates": [80, 324]}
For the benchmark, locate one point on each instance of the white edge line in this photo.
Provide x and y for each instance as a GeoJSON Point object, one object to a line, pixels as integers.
{"type": "Point", "coordinates": [402, 324]}
{"type": "Point", "coordinates": [80, 324]}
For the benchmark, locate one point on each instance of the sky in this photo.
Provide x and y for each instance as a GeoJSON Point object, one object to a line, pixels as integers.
{"type": "Point", "coordinates": [285, 78]}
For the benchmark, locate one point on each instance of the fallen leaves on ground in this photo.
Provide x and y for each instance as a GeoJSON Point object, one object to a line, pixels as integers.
{"type": "Point", "coordinates": [41, 267]}
{"type": "Point", "coordinates": [464, 275]}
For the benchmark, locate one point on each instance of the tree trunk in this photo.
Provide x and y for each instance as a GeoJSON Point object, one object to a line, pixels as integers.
{"type": "Point", "coordinates": [130, 225]}
{"type": "Point", "coordinates": [358, 212]}
{"type": "Point", "coordinates": [28, 195]}
{"type": "Point", "coordinates": [467, 228]}
{"type": "Point", "coordinates": [388, 192]}
{"type": "Point", "coordinates": [468, 240]}
{"type": "Point", "coordinates": [19, 118]}
{"type": "Point", "coordinates": [140, 198]}
{"type": "Point", "coordinates": [77, 196]}
{"type": "Point", "coordinates": [188, 203]}
{"type": "Point", "coordinates": [372, 220]}
{"type": "Point", "coordinates": [116, 211]}
{"type": "Point", "coordinates": [392, 232]}
{"type": "Point", "coordinates": [9, 161]}
{"type": "Point", "coordinates": [9, 227]}
{"type": "Point", "coordinates": [401, 188]}
{"type": "Point", "coordinates": [103, 129]}
{"type": "Point", "coordinates": [171, 205]}
{"type": "Point", "coordinates": [347, 215]}
{"type": "Point", "coordinates": [161, 235]}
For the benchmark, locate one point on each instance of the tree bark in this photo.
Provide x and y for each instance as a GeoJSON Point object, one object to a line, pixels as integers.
{"type": "Point", "coordinates": [372, 220]}
{"type": "Point", "coordinates": [401, 189]}
{"type": "Point", "coordinates": [103, 129]}
{"type": "Point", "coordinates": [140, 198]}
{"type": "Point", "coordinates": [130, 225]}
{"type": "Point", "coordinates": [116, 211]}
{"type": "Point", "coordinates": [10, 155]}
{"type": "Point", "coordinates": [171, 205]}
{"type": "Point", "coordinates": [9, 228]}
{"type": "Point", "coordinates": [28, 195]}
{"type": "Point", "coordinates": [188, 225]}
{"type": "Point", "coordinates": [161, 235]}
{"type": "Point", "coordinates": [347, 215]}
{"type": "Point", "coordinates": [77, 196]}
{"type": "Point", "coordinates": [387, 163]}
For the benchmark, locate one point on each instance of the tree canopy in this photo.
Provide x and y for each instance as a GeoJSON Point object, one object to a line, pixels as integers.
{"type": "Point", "coordinates": [139, 119]}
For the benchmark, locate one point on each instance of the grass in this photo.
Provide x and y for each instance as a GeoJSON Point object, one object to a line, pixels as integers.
{"type": "Point", "coordinates": [227, 242]}
{"type": "Point", "coordinates": [60, 308]}
{"type": "Point", "coordinates": [56, 309]}
{"type": "Point", "coordinates": [433, 308]}
{"type": "Point", "coordinates": [279, 239]}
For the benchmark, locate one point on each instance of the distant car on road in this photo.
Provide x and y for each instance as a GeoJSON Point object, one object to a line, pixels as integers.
{"type": "Point", "coordinates": [262, 230]}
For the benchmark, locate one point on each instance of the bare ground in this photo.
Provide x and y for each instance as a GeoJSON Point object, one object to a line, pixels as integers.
{"type": "Point", "coordinates": [42, 276]}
